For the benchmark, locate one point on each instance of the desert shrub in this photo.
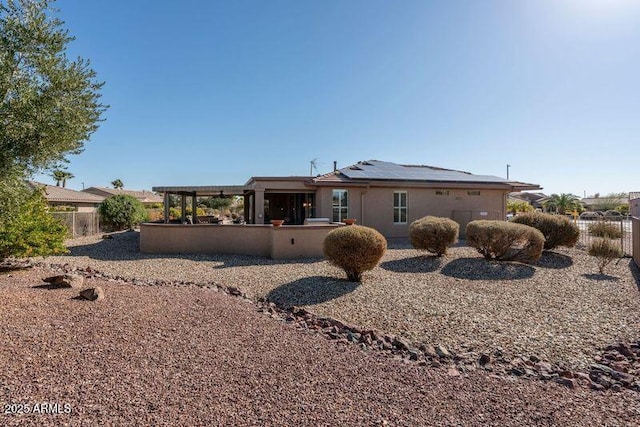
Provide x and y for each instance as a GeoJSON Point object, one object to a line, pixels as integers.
{"type": "Point", "coordinates": [31, 230]}
{"type": "Point", "coordinates": [505, 240]}
{"type": "Point", "coordinates": [355, 249]}
{"type": "Point", "coordinates": [434, 234]}
{"type": "Point", "coordinates": [557, 230]}
{"type": "Point", "coordinates": [122, 211]}
{"type": "Point", "coordinates": [605, 250]}
{"type": "Point", "coordinates": [605, 230]}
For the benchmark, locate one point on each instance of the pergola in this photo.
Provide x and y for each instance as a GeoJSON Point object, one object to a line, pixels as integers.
{"type": "Point", "coordinates": [194, 192]}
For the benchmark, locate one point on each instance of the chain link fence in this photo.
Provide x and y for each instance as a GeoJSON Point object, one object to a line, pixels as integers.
{"type": "Point", "coordinates": [618, 230]}
{"type": "Point", "coordinates": [79, 223]}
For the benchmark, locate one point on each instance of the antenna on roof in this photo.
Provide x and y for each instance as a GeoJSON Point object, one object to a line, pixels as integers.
{"type": "Point", "coordinates": [313, 165]}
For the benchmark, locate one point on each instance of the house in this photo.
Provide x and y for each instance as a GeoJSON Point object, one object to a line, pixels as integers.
{"type": "Point", "coordinates": [60, 197]}
{"type": "Point", "coordinates": [383, 195]}
{"type": "Point", "coordinates": [145, 197]}
{"type": "Point", "coordinates": [634, 204]}
{"type": "Point", "coordinates": [605, 203]}
{"type": "Point", "coordinates": [536, 200]}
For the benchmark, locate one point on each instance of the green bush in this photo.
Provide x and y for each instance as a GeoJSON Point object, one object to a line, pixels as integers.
{"type": "Point", "coordinates": [605, 250]}
{"type": "Point", "coordinates": [31, 230]}
{"type": "Point", "coordinates": [505, 240]}
{"type": "Point", "coordinates": [122, 212]}
{"type": "Point", "coordinates": [557, 230]}
{"type": "Point", "coordinates": [434, 234]}
{"type": "Point", "coordinates": [605, 230]}
{"type": "Point", "coordinates": [355, 249]}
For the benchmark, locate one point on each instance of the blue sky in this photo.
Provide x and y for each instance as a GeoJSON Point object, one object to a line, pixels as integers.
{"type": "Point", "coordinates": [210, 92]}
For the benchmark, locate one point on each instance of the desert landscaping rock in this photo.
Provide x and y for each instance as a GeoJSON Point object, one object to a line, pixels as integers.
{"type": "Point", "coordinates": [92, 294]}
{"type": "Point", "coordinates": [74, 281]}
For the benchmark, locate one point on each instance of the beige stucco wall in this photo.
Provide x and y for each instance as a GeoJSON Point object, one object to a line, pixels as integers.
{"type": "Point", "coordinates": [635, 224]}
{"type": "Point", "coordinates": [246, 239]}
{"type": "Point", "coordinates": [634, 207]}
{"type": "Point", "coordinates": [373, 207]}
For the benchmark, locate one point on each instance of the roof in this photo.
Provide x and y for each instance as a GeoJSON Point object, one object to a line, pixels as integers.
{"type": "Point", "coordinates": [375, 170]}
{"type": "Point", "coordinates": [529, 197]}
{"type": "Point", "coordinates": [54, 193]}
{"type": "Point", "coordinates": [142, 195]}
{"type": "Point", "coordinates": [634, 195]}
{"type": "Point", "coordinates": [590, 201]}
{"type": "Point", "coordinates": [203, 190]}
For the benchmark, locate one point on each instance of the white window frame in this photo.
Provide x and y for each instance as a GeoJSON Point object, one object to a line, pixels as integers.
{"type": "Point", "coordinates": [399, 208]}
{"type": "Point", "coordinates": [337, 209]}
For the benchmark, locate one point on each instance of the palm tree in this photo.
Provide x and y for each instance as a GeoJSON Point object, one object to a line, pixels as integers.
{"type": "Point", "coordinates": [117, 183]}
{"type": "Point", "coordinates": [61, 176]}
{"type": "Point", "coordinates": [562, 203]}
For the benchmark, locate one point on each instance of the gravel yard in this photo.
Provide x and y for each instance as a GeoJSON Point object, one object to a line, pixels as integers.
{"type": "Point", "coordinates": [183, 355]}
{"type": "Point", "coordinates": [559, 310]}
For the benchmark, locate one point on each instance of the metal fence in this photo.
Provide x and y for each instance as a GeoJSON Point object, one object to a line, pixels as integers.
{"type": "Point", "coordinates": [79, 223]}
{"type": "Point", "coordinates": [620, 229]}
{"type": "Point", "coordinates": [635, 225]}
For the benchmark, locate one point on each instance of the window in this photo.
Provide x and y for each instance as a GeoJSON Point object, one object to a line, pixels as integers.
{"type": "Point", "coordinates": [473, 193]}
{"type": "Point", "coordinates": [442, 192]}
{"type": "Point", "coordinates": [399, 207]}
{"type": "Point", "coordinates": [340, 205]}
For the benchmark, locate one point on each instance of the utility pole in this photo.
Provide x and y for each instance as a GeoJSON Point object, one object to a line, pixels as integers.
{"type": "Point", "coordinates": [508, 166]}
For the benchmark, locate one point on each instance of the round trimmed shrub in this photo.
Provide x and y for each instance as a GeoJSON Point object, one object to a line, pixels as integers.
{"type": "Point", "coordinates": [434, 234]}
{"type": "Point", "coordinates": [606, 230]}
{"type": "Point", "coordinates": [122, 211]}
{"type": "Point", "coordinates": [505, 241]}
{"type": "Point", "coordinates": [605, 250]}
{"type": "Point", "coordinates": [557, 230]}
{"type": "Point", "coordinates": [355, 249]}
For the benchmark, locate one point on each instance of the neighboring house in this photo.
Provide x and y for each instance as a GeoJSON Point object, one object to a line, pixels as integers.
{"type": "Point", "coordinates": [58, 197]}
{"type": "Point", "coordinates": [603, 203]}
{"type": "Point", "coordinates": [536, 200]}
{"type": "Point", "coordinates": [145, 197]}
{"type": "Point", "coordinates": [382, 195]}
{"type": "Point", "coordinates": [634, 204]}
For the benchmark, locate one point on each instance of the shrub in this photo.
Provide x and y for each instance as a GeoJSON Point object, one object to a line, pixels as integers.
{"type": "Point", "coordinates": [605, 230]}
{"type": "Point", "coordinates": [557, 230]}
{"type": "Point", "coordinates": [355, 249]}
{"type": "Point", "coordinates": [434, 234]}
{"type": "Point", "coordinates": [122, 211]}
{"type": "Point", "coordinates": [606, 250]}
{"type": "Point", "coordinates": [31, 230]}
{"type": "Point", "coordinates": [505, 240]}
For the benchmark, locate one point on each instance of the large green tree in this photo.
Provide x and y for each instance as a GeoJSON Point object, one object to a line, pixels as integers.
{"type": "Point", "coordinates": [61, 176]}
{"type": "Point", "coordinates": [49, 105]}
{"type": "Point", "coordinates": [562, 203]}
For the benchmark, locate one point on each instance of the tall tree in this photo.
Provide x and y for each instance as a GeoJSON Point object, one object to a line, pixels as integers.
{"type": "Point", "coordinates": [562, 203]}
{"type": "Point", "coordinates": [62, 176]}
{"type": "Point", "coordinates": [49, 105]}
{"type": "Point", "coordinates": [116, 183]}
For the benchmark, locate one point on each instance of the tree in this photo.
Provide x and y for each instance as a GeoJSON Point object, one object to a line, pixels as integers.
{"type": "Point", "coordinates": [562, 203]}
{"type": "Point", "coordinates": [610, 201]}
{"type": "Point", "coordinates": [49, 106]}
{"type": "Point", "coordinates": [61, 176]}
{"type": "Point", "coordinates": [116, 183]}
{"type": "Point", "coordinates": [122, 211]}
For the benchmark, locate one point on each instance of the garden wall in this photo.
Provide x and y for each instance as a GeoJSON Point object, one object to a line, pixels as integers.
{"type": "Point", "coordinates": [635, 231]}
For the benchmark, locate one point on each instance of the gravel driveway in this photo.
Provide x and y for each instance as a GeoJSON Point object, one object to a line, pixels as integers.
{"type": "Point", "coordinates": [559, 310]}
{"type": "Point", "coordinates": [180, 355]}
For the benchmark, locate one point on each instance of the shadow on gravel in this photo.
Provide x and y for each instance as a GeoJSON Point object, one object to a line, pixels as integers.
{"type": "Point", "coordinates": [481, 269]}
{"type": "Point", "coordinates": [554, 260]}
{"type": "Point", "coordinates": [601, 277]}
{"type": "Point", "coordinates": [51, 286]}
{"type": "Point", "coordinates": [635, 272]}
{"type": "Point", "coordinates": [417, 264]}
{"type": "Point", "coordinates": [310, 291]}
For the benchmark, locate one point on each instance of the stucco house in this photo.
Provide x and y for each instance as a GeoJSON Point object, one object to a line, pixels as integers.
{"type": "Point", "coordinates": [58, 197]}
{"type": "Point", "coordinates": [383, 195]}
{"type": "Point", "coordinates": [145, 197]}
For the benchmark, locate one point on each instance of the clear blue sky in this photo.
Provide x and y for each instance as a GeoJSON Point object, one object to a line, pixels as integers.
{"type": "Point", "coordinates": [210, 92]}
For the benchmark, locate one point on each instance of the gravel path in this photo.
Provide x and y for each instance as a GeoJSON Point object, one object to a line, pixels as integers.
{"type": "Point", "coordinates": [179, 355]}
{"type": "Point", "coordinates": [558, 310]}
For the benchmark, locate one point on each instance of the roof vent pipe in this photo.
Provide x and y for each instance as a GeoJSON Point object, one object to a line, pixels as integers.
{"type": "Point", "coordinates": [335, 165]}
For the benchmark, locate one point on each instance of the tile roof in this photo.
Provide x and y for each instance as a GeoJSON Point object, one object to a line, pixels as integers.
{"type": "Point", "coordinates": [143, 195]}
{"type": "Point", "coordinates": [54, 193]}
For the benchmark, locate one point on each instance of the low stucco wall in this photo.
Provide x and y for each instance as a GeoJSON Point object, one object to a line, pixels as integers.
{"type": "Point", "coordinates": [635, 229]}
{"type": "Point", "coordinates": [289, 241]}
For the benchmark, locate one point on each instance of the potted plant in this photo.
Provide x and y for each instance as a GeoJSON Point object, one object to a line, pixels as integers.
{"type": "Point", "coordinates": [277, 222]}
{"type": "Point", "coordinates": [349, 221]}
